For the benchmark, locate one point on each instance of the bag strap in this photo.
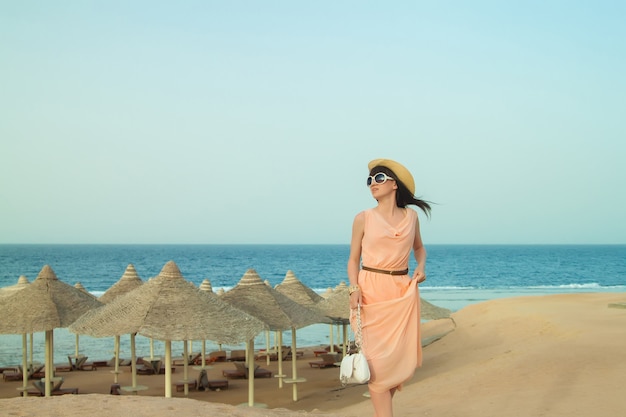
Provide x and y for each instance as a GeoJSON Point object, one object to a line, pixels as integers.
{"type": "Point", "coordinates": [358, 336]}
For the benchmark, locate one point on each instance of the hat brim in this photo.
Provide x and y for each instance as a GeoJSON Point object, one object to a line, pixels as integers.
{"type": "Point", "coordinates": [402, 173]}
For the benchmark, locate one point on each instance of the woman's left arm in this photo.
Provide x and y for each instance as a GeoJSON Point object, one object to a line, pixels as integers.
{"type": "Point", "coordinates": [420, 254]}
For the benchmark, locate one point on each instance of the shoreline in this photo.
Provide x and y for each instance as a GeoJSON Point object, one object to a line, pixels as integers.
{"type": "Point", "coordinates": [547, 355]}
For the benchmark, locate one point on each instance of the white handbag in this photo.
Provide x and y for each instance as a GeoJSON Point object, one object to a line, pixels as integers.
{"type": "Point", "coordinates": [354, 368]}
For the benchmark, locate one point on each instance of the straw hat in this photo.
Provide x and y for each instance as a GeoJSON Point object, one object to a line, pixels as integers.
{"type": "Point", "coordinates": [400, 170]}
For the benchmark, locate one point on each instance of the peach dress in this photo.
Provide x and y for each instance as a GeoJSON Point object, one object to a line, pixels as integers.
{"type": "Point", "coordinates": [390, 315]}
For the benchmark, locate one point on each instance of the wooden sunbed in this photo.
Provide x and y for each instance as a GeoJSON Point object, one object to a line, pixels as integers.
{"type": "Point", "coordinates": [328, 360]}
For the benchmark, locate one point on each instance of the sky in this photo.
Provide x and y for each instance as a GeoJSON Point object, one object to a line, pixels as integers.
{"type": "Point", "coordinates": [229, 122]}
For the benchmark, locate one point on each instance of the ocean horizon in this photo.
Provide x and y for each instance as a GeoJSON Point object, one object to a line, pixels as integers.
{"type": "Point", "coordinates": [458, 275]}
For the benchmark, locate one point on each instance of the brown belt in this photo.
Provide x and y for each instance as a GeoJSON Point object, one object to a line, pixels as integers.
{"type": "Point", "coordinates": [384, 271]}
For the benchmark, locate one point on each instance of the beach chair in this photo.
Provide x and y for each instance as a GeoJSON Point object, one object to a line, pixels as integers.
{"type": "Point", "coordinates": [262, 373]}
{"type": "Point", "coordinates": [237, 355]}
{"type": "Point", "coordinates": [328, 360]}
{"type": "Point", "coordinates": [191, 359]}
{"type": "Point", "coordinates": [219, 355]}
{"type": "Point", "coordinates": [264, 354]}
{"type": "Point", "coordinates": [83, 365]}
{"type": "Point", "coordinates": [62, 367]}
{"type": "Point", "coordinates": [56, 388]}
{"type": "Point", "coordinates": [144, 367]}
{"type": "Point", "coordinates": [239, 371]}
{"type": "Point", "coordinates": [12, 375]}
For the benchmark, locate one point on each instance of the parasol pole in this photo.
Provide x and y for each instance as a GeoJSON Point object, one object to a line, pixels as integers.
{"type": "Point", "coordinates": [168, 369]}
{"type": "Point", "coordinates": [133, 361]}
{"type": "Point", "coordinates": [24, 365]}
{"type": "Point", "coordinates": [267, 347]}
{"type": "Point", "coordinates": [345, 339]}
{"type": "Point", "coordinates": [186, 367]}
{"type": "Point", "coordinates": [294, 368]}
{"type": "Point", "coordinates": [203, 353]}
{"type": "Point", "coordinates": [151, 348]}
{"type": "Point", "coordinates": [48, 363]}
{"type": "Point", "coordinates": [250, 360]}
{"type": "Point", "coordinates": [280, 375]}
{"type": "Point", "coordinates": [117, 358]}
{"type": "Point", "coordinates": [31, 348]}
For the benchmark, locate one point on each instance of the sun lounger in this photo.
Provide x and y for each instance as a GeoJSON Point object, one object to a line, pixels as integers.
{"type": "Point", "coordinates": [34, 371]}
{"type": "Point", "coordinates": [219, 355]}
{"type": "Point", "coordinates": [62, 367]}
{"type": "Point", "coordinates": [180, 385]}
{"type": "Point", "coordinates": [205, 383]}
{"type": "Point", "coordinates": [237, 355]}
{"type": "Point", "coordinates": [12, 376]}
{"type": "Point", "coordinates": [328, 360]}
{"type": "Point", "coordinates": [56, 388]}
{"type": "Point", "coordinates": [241, 371]}
{"type": "Point", "coordinates": [144, 367]}
{"type": "Point", "coordinates": [83, 365]}
{"type": "Point", "coordinates": [191, 359]}
{"type": "Point", "coordinates": [262, 373]}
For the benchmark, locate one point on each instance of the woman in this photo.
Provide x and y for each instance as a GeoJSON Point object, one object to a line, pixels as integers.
{"type": "Point", "coordinates": [382, 238]}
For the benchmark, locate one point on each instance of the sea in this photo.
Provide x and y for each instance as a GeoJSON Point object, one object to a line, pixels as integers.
{"type": "Point", "coordinates": [457, 276]}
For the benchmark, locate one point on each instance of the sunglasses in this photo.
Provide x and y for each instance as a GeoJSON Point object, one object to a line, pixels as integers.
{"type": "Point", "coordinates": [379, 178]}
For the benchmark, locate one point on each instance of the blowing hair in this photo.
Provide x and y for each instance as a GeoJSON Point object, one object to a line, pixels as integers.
{"type": "Point", "coordinates": [403, 196]}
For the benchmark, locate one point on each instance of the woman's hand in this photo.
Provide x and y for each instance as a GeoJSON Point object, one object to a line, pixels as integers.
{"type": "Point", "coordinates": [355, 299]}
{"type": "Point", "coordinates": [419, 275]}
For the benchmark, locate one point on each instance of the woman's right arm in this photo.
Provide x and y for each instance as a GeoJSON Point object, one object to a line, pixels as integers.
{"type": "Point", "coordinates": [354, 260]}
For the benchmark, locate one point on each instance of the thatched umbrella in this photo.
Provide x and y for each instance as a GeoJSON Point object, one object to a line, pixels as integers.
{"type": "Point", "coordinates": [22, 282]}
{"type": "Point", "coordinates": [81, 287]}
{"type": "Point", "coordinates": [293, 288]}
{"type": "Point", "coordinates": [275, 309]}
{"type": "Point", "coordinates": [45, 304]}
{"type": "Point", "coordinates": [429, 311]}
{"type": "Point", "coordinates": [206, 285]}
{"type": "Point", "coordinates": [169, 308]}
{"type": "Point", "coordinates": [208, 288]}
{"type": "Point", "coordinates": [128, 281]}
{"type": "Point", "coordinates": [336, 306]}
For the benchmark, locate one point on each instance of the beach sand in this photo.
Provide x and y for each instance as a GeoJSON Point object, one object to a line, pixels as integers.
{"type": "Point", "coordinates": [558, 355]}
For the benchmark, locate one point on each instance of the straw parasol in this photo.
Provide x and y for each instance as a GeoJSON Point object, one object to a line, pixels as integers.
{"type": "Point", "coordinates": [45, 304]}
{"type": "Point", "coordinates": [128, 281]}
{"type": "Point", "coordinates": [169, 308]}
{"type": "Point", "coordinates": [293, 288]}
{"type": "Point", "coordinates": [278, 311]}
{"type": "Point", "coordinates": [22, 282]}
{"type": "Point", "coordinates": [336, 306]}
{"type": "Point", "coordinates": [429, 311]}
{"type": "Point", "coordinates": [208, 288]}
{"type": "Point", "coordinates": [81, 287]}
{"type": "Point", "coordinates": [206, 285]}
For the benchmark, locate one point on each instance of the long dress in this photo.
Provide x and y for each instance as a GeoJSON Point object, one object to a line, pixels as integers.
{"type": "Point", "coordinates": [390, 315]}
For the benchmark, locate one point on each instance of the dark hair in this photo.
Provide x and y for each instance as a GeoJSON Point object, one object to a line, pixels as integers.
{"type": "Point", "coordinates": [403, 196]}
